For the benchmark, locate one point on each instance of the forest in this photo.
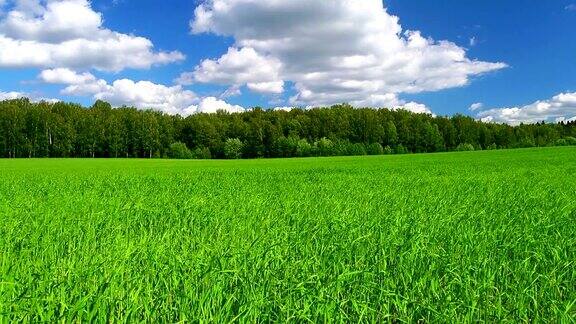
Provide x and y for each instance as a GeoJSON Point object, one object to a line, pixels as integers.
{"type": "Point", "coordinates": [42, 129]}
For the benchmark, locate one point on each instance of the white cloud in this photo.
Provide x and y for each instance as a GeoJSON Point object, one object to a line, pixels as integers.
{"type": "Point", "coordinates": [17, 95]}
{"type": "Point", "coordinates": [11, 95]}
{"type": "Point", "coordinates": [564, 119]}
{"type": "Point", "coordinates": [145, 94]}
{"type": "Point", "coordinates": [388, 101]}
{"type": "Point", "coordinates": [267, 87]}
{"type": "Point", "coordinates": [571, 7]}
{"type": "Point", "coordinates": [58, 21]}
{"type": "Point", "coordinates": [231, 92]}
{"type": "Point", "coordinates": [69, 33]}
{"type": "Point", "coordinates": [141, 94]}
{"type": "Point", "coordinates": [476, 106]}
{"type": "Point", "coordinates": [239, 67]}
{"type": "Point", "coordinates": [414, 107]}
{"type": "Point", "coordinates": [65, 76]}
{"type": "Point", "coordinates": [391, 101]}
{"type": "Point", "coordinates": [334, 51]}
{"type": "Point", "coordinates": [285, 108]}
{"type": "Point", "coordinates": [211, 105]}
{"type": "Point", "coordinates": [78, 84]}
{"type": "Point", "coordinates": [558, 108]}
{"type": "Point", "coordinates": [86, 89]}
{"type": "Point", "coordinates": [473, 41]}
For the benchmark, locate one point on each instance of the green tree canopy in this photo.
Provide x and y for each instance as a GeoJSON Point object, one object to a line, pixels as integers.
{"type": "Point", "coordinates": [43, 129]}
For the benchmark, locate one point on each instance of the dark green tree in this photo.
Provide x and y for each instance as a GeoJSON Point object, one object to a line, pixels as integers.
{"type": "Point", "coordinates": [179, 150]}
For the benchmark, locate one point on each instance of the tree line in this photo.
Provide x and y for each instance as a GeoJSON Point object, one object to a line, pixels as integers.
{"type": "Point", "coordinates": [32, 130]}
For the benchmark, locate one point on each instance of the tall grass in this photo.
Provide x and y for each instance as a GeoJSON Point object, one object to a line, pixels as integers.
{"type": "Point", "coordinates": [459, 237]}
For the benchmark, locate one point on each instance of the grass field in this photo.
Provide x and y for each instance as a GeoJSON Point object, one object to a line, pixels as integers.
{"type": "Point", "coordinates": [454, 237]}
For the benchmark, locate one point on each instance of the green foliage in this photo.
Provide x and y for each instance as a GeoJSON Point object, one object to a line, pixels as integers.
{"type": "Point", "coordinates": [346, 148]}
{"type": "Point", "coordinates": [356, 149]}
{"type": "Point", "coordinates": [400, 149]}
{"type": "Point", "coordinates": [202, 153]}
{"type": "Point", "coordinates": [43, 129]}
{"type": "Point", "coordinates": [388, 150]}
{"type": "Point", "coordinates": [179, 151]}
{"type": "Point", "coordinates": [303, 149]}
{"type": "Point", "coordinates": [567, 141]}
{"type": "Point", "coordinates": [233, 148]}
{"type": "Point", "coordinates": [285, 146]}
{"type": "Point", "coordinates": [525, 143]}
{"type": "Point", "coordinates": [375, 149]}
{"type": "Point", "coordinates": [324, 147]}
{"type": "Point", "coordinates": [449, 238]}
{"type": "Point", "coordinates": [463, 147]}
{"type": "Point", "coordinates": [492, 147]}
{"type": "Point", "coordinates": [391, 134]}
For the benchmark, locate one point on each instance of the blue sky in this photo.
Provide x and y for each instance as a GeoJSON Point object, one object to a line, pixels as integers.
{"type": "Point", "coordinates": [534, 38]}
{"type": "Point", "coordinates": [516, 60]}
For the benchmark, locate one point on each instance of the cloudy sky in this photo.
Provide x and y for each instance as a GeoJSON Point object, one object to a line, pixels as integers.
{"type": "Point", "coordinates": [502, 61]}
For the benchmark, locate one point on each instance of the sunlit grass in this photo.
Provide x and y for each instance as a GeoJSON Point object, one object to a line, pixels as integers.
{"type": "Point", "coordinates": [455, 237]}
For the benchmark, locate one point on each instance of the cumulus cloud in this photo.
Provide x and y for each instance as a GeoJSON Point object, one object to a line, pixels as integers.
{"type": "Point", "coordinates": [564, 119]}
{"type": "Point", "coordinates": [239, 67]}
{"type": "Point", "coordinates": [141, 94]}
{"type": "Point", "coordinates": [69, 33]}
{"type": "Point", "coordinates": [78, 84]}
{"type": "Point", "coordinates": [559, 108]}
{"type": "Point", "coordinates": [11, 95]}
{"type": "Point", "coordinates": [145, 94]}
{"type": "Point", "coordinates": [285, 108]}
{"type": "Point", "coordinates": [389, 101]}
{"type": "Point", "coordinates": [476, 106]}
{"type": "Point", "coordinates": [211, 105]}
{"type": "Point", "coordinates": [333, 51]}
{"type": "Point", "coordinates": [276, 87]}
{"type": "Point", "coordinates": [65, 76]}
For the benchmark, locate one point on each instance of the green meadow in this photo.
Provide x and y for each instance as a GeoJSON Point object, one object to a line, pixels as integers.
{"type": "Point", "coordinates": [448, 237]}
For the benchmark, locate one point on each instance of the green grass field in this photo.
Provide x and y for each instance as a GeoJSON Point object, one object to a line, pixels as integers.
{"type": "Point", "coordinates": [456, 237]}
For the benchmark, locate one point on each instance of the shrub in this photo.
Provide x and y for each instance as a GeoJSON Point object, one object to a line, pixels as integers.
{"type": "Point", "coordinates": [492, 147]}
{"type": "Point", "coordinates": [179, 150]}
{"type": "Point", "coordinates": [388, 150]}
{"type": "Point", "coordinates": [324, 147]}
{"type": "Point", "coordinates": [303, 148]}
{"type": "Point", "coordinates": [562, 142]}
{"type": "Point", "coordinates": [400, 149]}
{"type": "Point", "coordinates": [571, 140]}
{"type": "Point", "coordinates": [356, 149]}
{"type": "Point", "coordinates": [463, 147]}
{"type": "Point", "coordinates": [340, 148]}
{"type": "Point", "coordinates": [285, 147]}
{"type": "Point", "coordinates": [202, 153]}
{"type": "Point", "coordinates": [233, 148]}
{"type": "Point", "coordinates": [375, 149]}
{"type": "Point", "coordinates": [525, 143]}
